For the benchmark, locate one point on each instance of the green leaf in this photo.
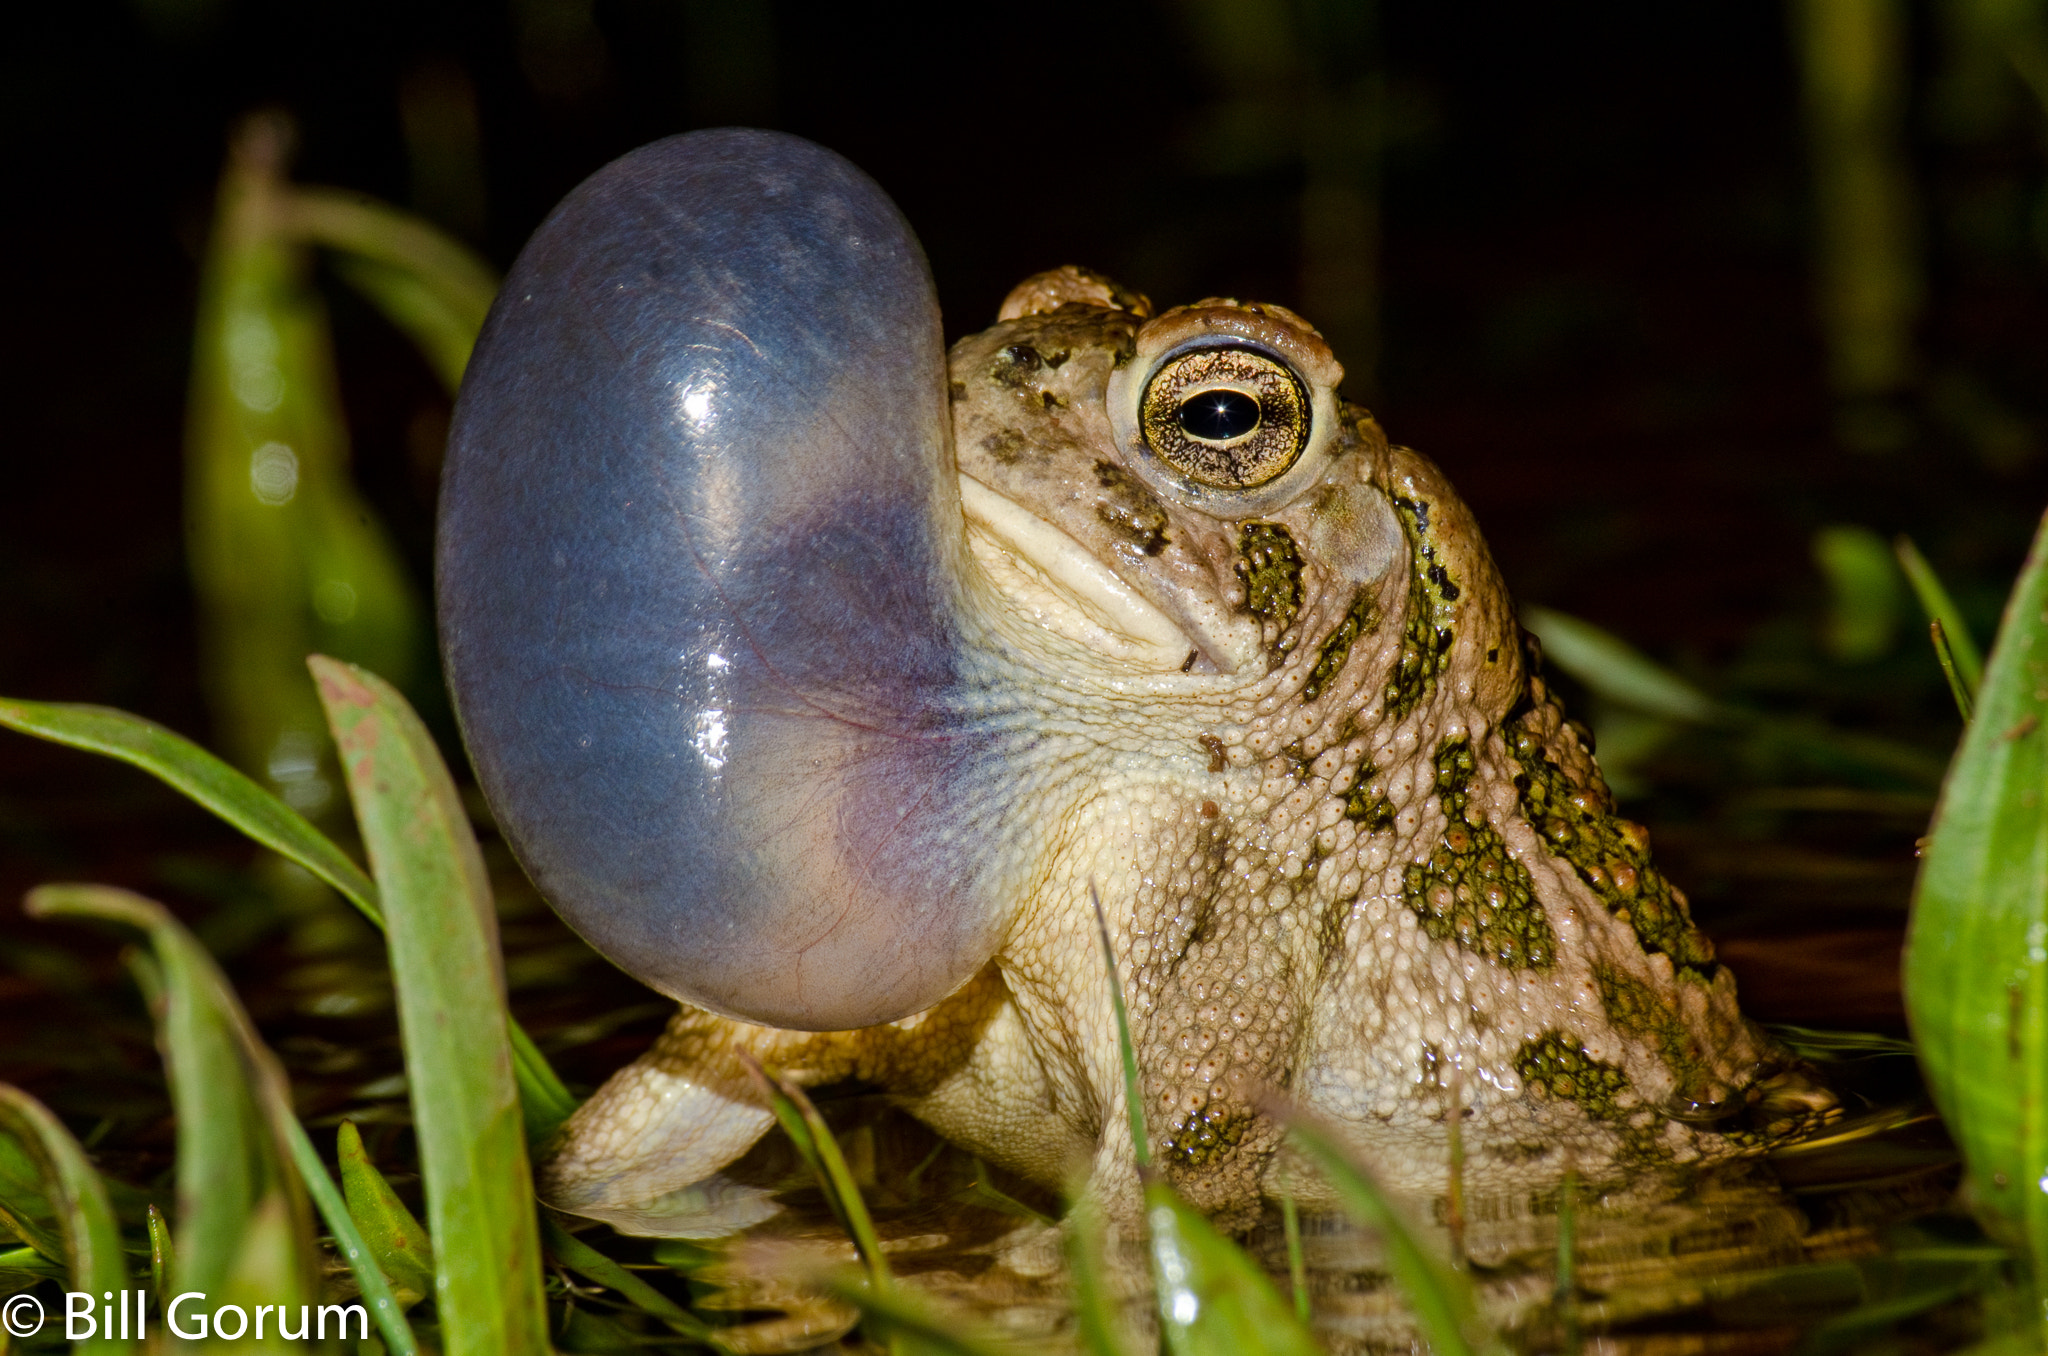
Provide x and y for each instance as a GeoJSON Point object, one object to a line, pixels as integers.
{"type": "Point", "coordinates": [913, 1324]}
{"type": "Point", "coordinates": [244, 1230]}
{"type": "Point", "coordinates": [1863, 592]}
{"type": "Point", "coordinates": [1297, 1265]}
{"type": "Point", "coordinates": [163, 1255]}
{"type": "Point", "coordinates": [204, 778]}
{"type": "Point", "coordinates": [1941, 610]}
{"type": "Point", "coordinates": [1945, 659]}
{"type": "Point", "coordinates": [77, 1198]}
{"type": "Point", "coordinates": [285, 555]}
{"type": "Point", "coordinates": [1443, 1299]}
{"type": "Point", "coordinates": [1134, 1101]}
{"type": "Point", "coordinates": [1615, 670]}
{"type": "Point", "coordinates": [1213, 1299]}
{"type": "Point", "coordinates": [200, 776]}
{"type": "Point", "coordinates": [395, 1239]}
{"type": "Point", "coordinates": [385, 1310]}
{"type": "Point", "coordinates": [426, 282]}
{"type": "Point", "coordinates": [1976, 967]}
{"type": "Point", "coordinates": [443, 936]}
{"type": "Point", "coordinates": [444, 336]}
{"type": "Point", "coordinates": [573, 1253]}
{"type": "Point", "coordinates": [25, 1207]}
{"type": "Point", "coordinates": [1095, 1311]}
{"type": "Point", "coordinates": [820, 1151]}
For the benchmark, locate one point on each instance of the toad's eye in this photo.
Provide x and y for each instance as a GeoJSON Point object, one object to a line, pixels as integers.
{"type": "Point", "coordinates": [1228, 417]}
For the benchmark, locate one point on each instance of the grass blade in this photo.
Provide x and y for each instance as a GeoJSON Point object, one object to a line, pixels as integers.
{"type": "Point", "coordinates": [1565, 1293]}
{"type": "Point", "coordinates": [1615, 670]}
{"type": "Point", "coordinates": [1944, 655]}
{"type": "Point", "coordinates": [242, 803]}
{"type": "Point", "coordinates": [395, 1240]}
{"type": "Point", "coordinates": [1942, 609]}
{"type": "Point", "coordinates": [1095, 1312]}
{"type": "Point", "coordinates": [78, 1198]}
{"type": "Point", "coordinates": [244, 1228]}
{"type": "Point", "coordinates": [285, 555]}
{"type": "Point", "coordinates": [426, 282]}
{"type": "Point", "coordinates": [911, 1324]}
{"type": "Point", "coordinates": [163, 1257]}
{"type": "Point", "coordinates": [385, 1310]}
{"type": "Point", "coordinates": [1443, 1299]}
{"type": "Point", "coordinates": [1213, 1299]}
{"type": "Point", "coordinates": [1976, 966]}
{"type": "Point", "coordinates": [820, 1151]}
{"type": "Point", "coordinates": [446, 967]}
{"type": "Point", "coordinates": [1297, 1264]}
{"type": "Point", "coordinates": [573, 1253]}
{"type": "Point", "coordinates": [1134, 1102]}
{"type": "Point", "coordinates": [199, 776]}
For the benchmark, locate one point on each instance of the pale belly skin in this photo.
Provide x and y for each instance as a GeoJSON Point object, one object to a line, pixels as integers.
{"type": "Point", "coordinates": [1349, 852]}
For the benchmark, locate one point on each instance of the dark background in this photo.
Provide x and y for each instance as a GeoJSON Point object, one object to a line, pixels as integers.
{"type": "Point", "coordinates": [1594, 295]}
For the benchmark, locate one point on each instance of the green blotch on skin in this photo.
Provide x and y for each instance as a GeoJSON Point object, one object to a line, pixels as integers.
{"type": "Point", "coordinates": [1205, 1136]}
{"type": "Point", "coordinates": [1556, 1066]}
{"type": "Point", "coordinates": [1365, 805]}
{"type": "Point", "coordinates": [1270, 568]}
{"type": "Point", "coordinates": [1634, 1009]}
{"type": "Point", "coordinates": [1610, 854]}
{"type": "Point", "coordinates": [1426, 636]}
{"type": "Point", "coordinates": [1358, 620]}
{"type": "Point", "coordinates": [1470, 890]}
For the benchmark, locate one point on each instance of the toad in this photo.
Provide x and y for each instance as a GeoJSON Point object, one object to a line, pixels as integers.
{"type": "Point", "coordinates": [831, 691]}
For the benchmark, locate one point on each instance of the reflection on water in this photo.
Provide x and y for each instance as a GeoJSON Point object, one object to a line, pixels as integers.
{"type": "Point", "coordinates": [1752, 1256]}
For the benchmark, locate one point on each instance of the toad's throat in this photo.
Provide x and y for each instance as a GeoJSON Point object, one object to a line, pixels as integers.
{"type": "Point", "coordinates": [1045, 574]}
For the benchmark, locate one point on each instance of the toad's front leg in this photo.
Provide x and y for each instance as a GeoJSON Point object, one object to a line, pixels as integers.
{"type": "Point", "coordinates": [643, 1153]}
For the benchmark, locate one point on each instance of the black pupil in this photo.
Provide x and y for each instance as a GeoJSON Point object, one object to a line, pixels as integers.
{"type": "Point", "coordinates": [1219, 416]}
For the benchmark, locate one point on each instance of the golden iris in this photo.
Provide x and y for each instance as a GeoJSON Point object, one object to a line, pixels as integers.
{"type": "Point", "coordinates": [1228, 417]}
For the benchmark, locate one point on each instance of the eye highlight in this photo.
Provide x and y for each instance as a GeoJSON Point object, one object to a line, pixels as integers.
{"type": "Point", "coordinates": [1228, 417]}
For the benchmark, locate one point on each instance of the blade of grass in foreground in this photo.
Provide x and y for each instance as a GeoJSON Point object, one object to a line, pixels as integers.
{"type": "Point", "coordinates": [395, 1239]}
{"type": "Point", "coordinates": [221, 1071]}
{"type": "Point", "coordinates": [912, 1324]}
{"type": "Point", "coordinates": [385, 1310]}
{"type": "Point", "coordinates": [238, 800]}
{"type": "Point", "coordinates": [1443, 1299]}
{"type": "Point", "coordinates": [820, 1151]}
{"type": "Point", "coordinates": [445, 965]}
{"type": "Point", "coordinates": [199, 776]}
{"type": "Point", "coordinates": [244, 1230]}
{"type": "Point", "coordinates": [573, 1253]}
{"type": "Point", "coordinates": [92, 1240]}
{"type": "Point", "coordinates": [1213, 1299]}
{"type": "Point", "coordinates": [1976, 968]}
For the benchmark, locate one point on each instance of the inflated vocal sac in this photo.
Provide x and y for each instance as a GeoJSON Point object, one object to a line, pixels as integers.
{"type": "Point", "coordinates": [699, 581]}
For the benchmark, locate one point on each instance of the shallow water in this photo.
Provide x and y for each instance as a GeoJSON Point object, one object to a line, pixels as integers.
{"type": "Point", "coordinates": [1755, 1255]}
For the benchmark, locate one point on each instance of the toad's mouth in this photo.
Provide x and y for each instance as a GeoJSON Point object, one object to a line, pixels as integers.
{"type": "Point", "coordinates": [1047, 575]}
